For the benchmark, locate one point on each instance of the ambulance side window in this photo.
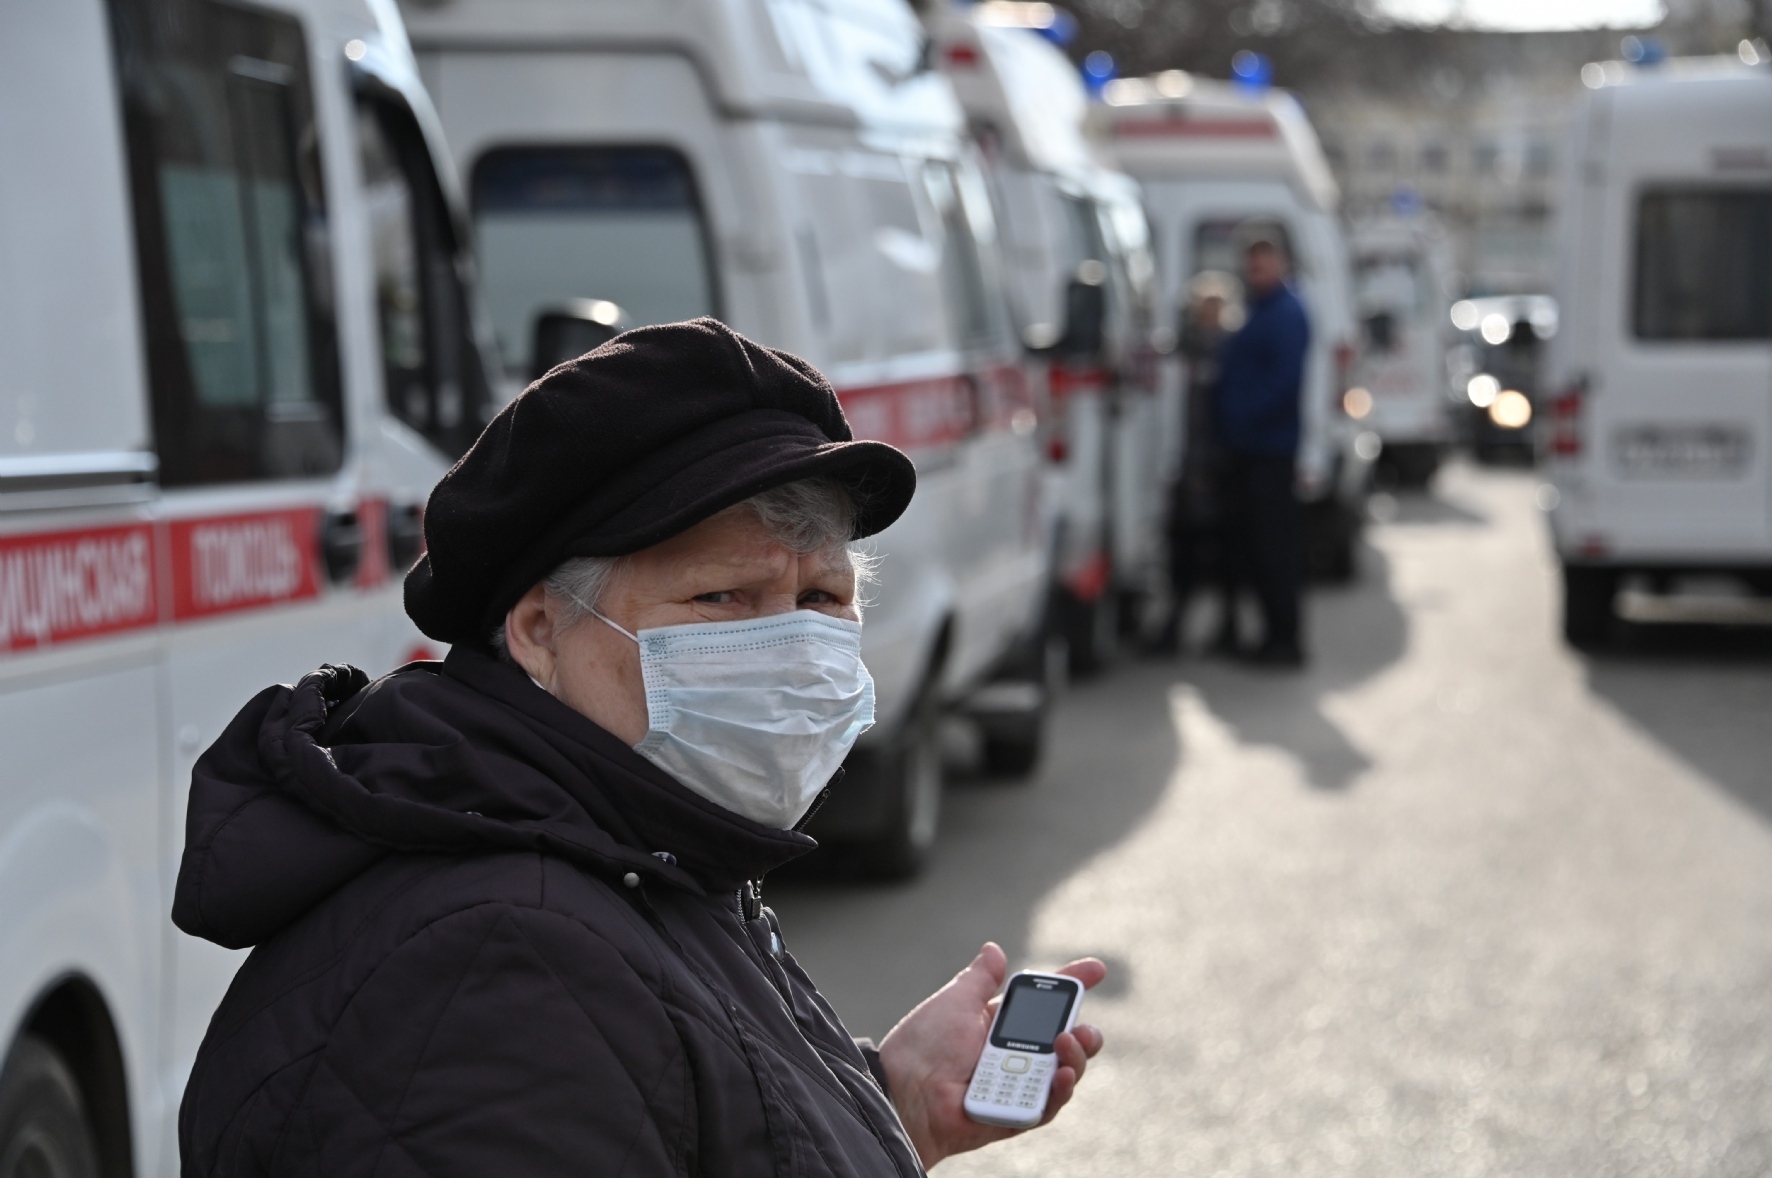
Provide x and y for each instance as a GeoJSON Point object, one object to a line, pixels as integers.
{"type": "Point", "coordinates": [431, 368]}
{"type": "Point", "coordinates": [1086, 239]}
{"type": "Point", "coordinates": [232, 241]}
{"type": "Point", "coordinates": [907, 263]}
{"type": "Point", "coordinates": [962, 263]}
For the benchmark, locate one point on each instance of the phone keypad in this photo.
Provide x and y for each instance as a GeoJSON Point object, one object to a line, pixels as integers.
{"type": "Point", "coordinates": [1012, 1080]}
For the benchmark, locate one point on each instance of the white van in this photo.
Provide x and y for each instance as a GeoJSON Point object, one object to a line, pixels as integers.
{"type": "Point", "coordinates": [1064, 219]}
{"type": "Point", "coordinates": [795, 168]}
{"type": "Point", "coordinates": [1402, 288]}
{"type": "Point", "coordinates": [1659, 440]}
{"type": "Point", "coordinates": [1221, 164]}
{"type": "Point", "coordinates": [235, 354]}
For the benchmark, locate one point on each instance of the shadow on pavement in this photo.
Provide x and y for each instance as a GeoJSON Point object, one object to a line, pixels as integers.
{"type": "Point", "coordinates": [1111, 752]}
{"type": "Point", "coordinates": [1702, 691]}
{"type": "Point", "coordinates": [1424, 509]}
{"type": "Point", "coordinates": [1352, 632]}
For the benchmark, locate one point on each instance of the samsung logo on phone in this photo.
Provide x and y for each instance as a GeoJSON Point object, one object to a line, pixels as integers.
{"type": "Point", "coordinates": [1023, 1046]}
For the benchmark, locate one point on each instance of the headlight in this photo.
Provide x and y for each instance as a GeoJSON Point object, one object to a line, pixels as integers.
{"type": "Point", "coordinates": [1511, 409]}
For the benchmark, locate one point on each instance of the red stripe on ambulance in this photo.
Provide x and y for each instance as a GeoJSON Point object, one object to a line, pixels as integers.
{"type": "Point", "coordinates": [58, 586]}
{"type": "Point", "coordinates": [937, 411]}
{"type": "Point", "coordinates": [244, 561]}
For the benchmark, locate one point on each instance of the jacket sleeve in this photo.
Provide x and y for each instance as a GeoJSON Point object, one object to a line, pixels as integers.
{"type": "Point", "coordinates": [500, 1040]}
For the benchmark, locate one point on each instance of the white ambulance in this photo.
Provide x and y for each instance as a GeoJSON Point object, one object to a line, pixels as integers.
{"type": "Point", "coordinates": [1402, 288]}
{"type": "Point", "coordinates": [1066, 221]}
{"type": "Point", "coordinates": [1222, 164]}
{"type": "Point", "coordinates": [235, 353]}
{"type": "Point", "coordinates": [1659, 439]}
{"type": "Point", "coordinates": [795, 168]}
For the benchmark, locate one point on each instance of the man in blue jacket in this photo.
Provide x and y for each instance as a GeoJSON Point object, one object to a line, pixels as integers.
{"type": "Point", "coordinates": [1256, 416]}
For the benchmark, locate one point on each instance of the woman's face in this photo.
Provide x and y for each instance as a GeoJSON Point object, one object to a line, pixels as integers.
{"type": "Point", "coordinates": [724, 569]}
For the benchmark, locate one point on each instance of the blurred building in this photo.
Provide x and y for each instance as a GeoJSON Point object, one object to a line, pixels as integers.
{"type": "Point", "coordinates": [1473, 122]}
{"type": "Point", "coordinates": [1482, 144]}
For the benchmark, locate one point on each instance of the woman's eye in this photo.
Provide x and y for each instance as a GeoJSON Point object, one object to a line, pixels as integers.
{"type": "Point", "coordinates": [718, 597]}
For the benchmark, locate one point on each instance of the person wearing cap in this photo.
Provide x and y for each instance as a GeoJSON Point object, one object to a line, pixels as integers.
{"type": "Point", "coordinates": [504, 908]}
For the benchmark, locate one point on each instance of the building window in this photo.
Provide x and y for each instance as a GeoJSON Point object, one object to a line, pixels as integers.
{"type": "Point", "coordinates": [1541, 159]}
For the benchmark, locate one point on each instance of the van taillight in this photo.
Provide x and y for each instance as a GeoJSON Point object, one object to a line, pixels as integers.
{"type": "Point", "coordinates": [1345, 355]}
{"type": "Point", "coordinates": [1057, 416]}
{"type": "Point", "coordinates": [1565, 419]}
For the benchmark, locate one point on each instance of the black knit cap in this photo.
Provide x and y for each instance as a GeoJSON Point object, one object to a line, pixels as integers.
{"type": "Point", "coordinates": [625, 447]}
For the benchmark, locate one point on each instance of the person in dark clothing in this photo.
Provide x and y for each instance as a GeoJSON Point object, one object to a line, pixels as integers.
{"type": "Point", "coordinates": [1195, 523]}
{"type": "Point", "coordinates": [1257, 418]}
{"type": "Point", "coordinates": [504, 909]}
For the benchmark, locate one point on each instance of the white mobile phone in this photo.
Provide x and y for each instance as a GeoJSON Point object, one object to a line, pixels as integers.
{"type": "Point", "coordinates": [1014, 1073]}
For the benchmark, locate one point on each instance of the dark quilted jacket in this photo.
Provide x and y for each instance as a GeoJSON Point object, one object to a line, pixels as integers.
{"type": "Point", "coordinates": [451, 974]}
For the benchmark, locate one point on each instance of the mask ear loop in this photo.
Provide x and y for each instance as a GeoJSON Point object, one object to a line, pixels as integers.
{"type": "Point", "coordinates": [604, 618]}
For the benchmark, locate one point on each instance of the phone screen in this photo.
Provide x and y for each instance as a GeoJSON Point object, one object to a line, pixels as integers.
{"type": "Point", "coordinates": [1034, 1012]}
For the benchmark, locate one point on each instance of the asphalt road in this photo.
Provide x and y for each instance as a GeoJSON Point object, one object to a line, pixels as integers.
{"type": "Point", "coordinates": [1454, 901]}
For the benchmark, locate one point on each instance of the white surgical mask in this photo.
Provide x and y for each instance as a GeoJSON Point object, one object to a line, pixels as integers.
{"type": "Point", "coordinates": [754, 715]}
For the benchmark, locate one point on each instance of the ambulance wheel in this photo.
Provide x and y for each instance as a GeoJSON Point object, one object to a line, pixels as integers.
{"type": "Point", "coordinates": [1091, 630]}
{"type": "Point", "coordinates": [1012, 746]}
{"type": "Point", "coordinates": [1587, 606]}
{"type": "Point", "coordinates": [44, 1132]}
{"type": "Point", "coordinates": [909, 772]}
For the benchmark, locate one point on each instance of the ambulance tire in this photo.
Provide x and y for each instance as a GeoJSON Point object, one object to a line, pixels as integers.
{"type": "Point", "coordinates": [908, 771]}
{"type": "Point", "coordinates": [1012, 745]}
{"type": "Point", "coordinates": [1091, 631]}
{"type": "Point", "coordinates": [43, 1126]}
{"type": "Point", "coordinates": [1588, 594]}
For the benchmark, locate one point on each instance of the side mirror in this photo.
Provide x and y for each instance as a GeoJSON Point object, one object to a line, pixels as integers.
{"type": "Point", "coordinates": [568, 330]}
{"type": "Point", "coordinates": [1085, 311]}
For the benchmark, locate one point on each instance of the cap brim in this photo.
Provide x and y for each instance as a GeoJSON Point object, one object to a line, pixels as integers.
{"type": "Point", "coordinates": [880, 481]}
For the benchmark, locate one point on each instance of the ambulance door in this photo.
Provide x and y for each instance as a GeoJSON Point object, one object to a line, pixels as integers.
{"type": "Point", "coordinates": [235, 263]}
{"type": "Point", "coordinates": [434, 352]}
{"type": "Point", "coordinates": [839, 234]}
{"type": "Point", "coordinates": [1681, 410]}
{"type": "Point", "coordinates": [995, 519]}
{"type": "Point", "coordinates": [79, 601]}
{"type": "Point", "coordinates": [1139, 505]}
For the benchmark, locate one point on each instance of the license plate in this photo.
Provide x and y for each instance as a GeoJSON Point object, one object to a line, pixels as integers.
{"type": "Point", "coordinates": [1682, 451]}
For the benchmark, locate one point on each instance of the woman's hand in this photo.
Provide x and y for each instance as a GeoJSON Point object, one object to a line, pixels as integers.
{"type": "Point", "coordinates": [930, 1054]}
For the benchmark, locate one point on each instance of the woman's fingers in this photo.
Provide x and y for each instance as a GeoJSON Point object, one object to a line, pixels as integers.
{"type": "Point", "coordinates": [1090, 1037]}
{"type": "Point", "coordinates": [1064, 1085]}
{"type": "Point", "coordinates": [1088, 970]}
{"type": "Point", "coordinates": [1071, 1053]}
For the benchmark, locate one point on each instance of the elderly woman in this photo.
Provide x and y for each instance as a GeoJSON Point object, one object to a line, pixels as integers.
{"type": "Point", "coordinates": [504, 907]}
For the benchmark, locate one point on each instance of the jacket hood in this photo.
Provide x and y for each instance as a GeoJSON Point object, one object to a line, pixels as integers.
{"type": "Point", "coordinates": [310, 785]}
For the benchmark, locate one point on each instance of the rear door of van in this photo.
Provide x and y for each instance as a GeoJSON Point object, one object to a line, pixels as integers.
{"type": "Point", "coordinates": [601, 176]}
{"type": "Point", "coordinates": [1679, 407]}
